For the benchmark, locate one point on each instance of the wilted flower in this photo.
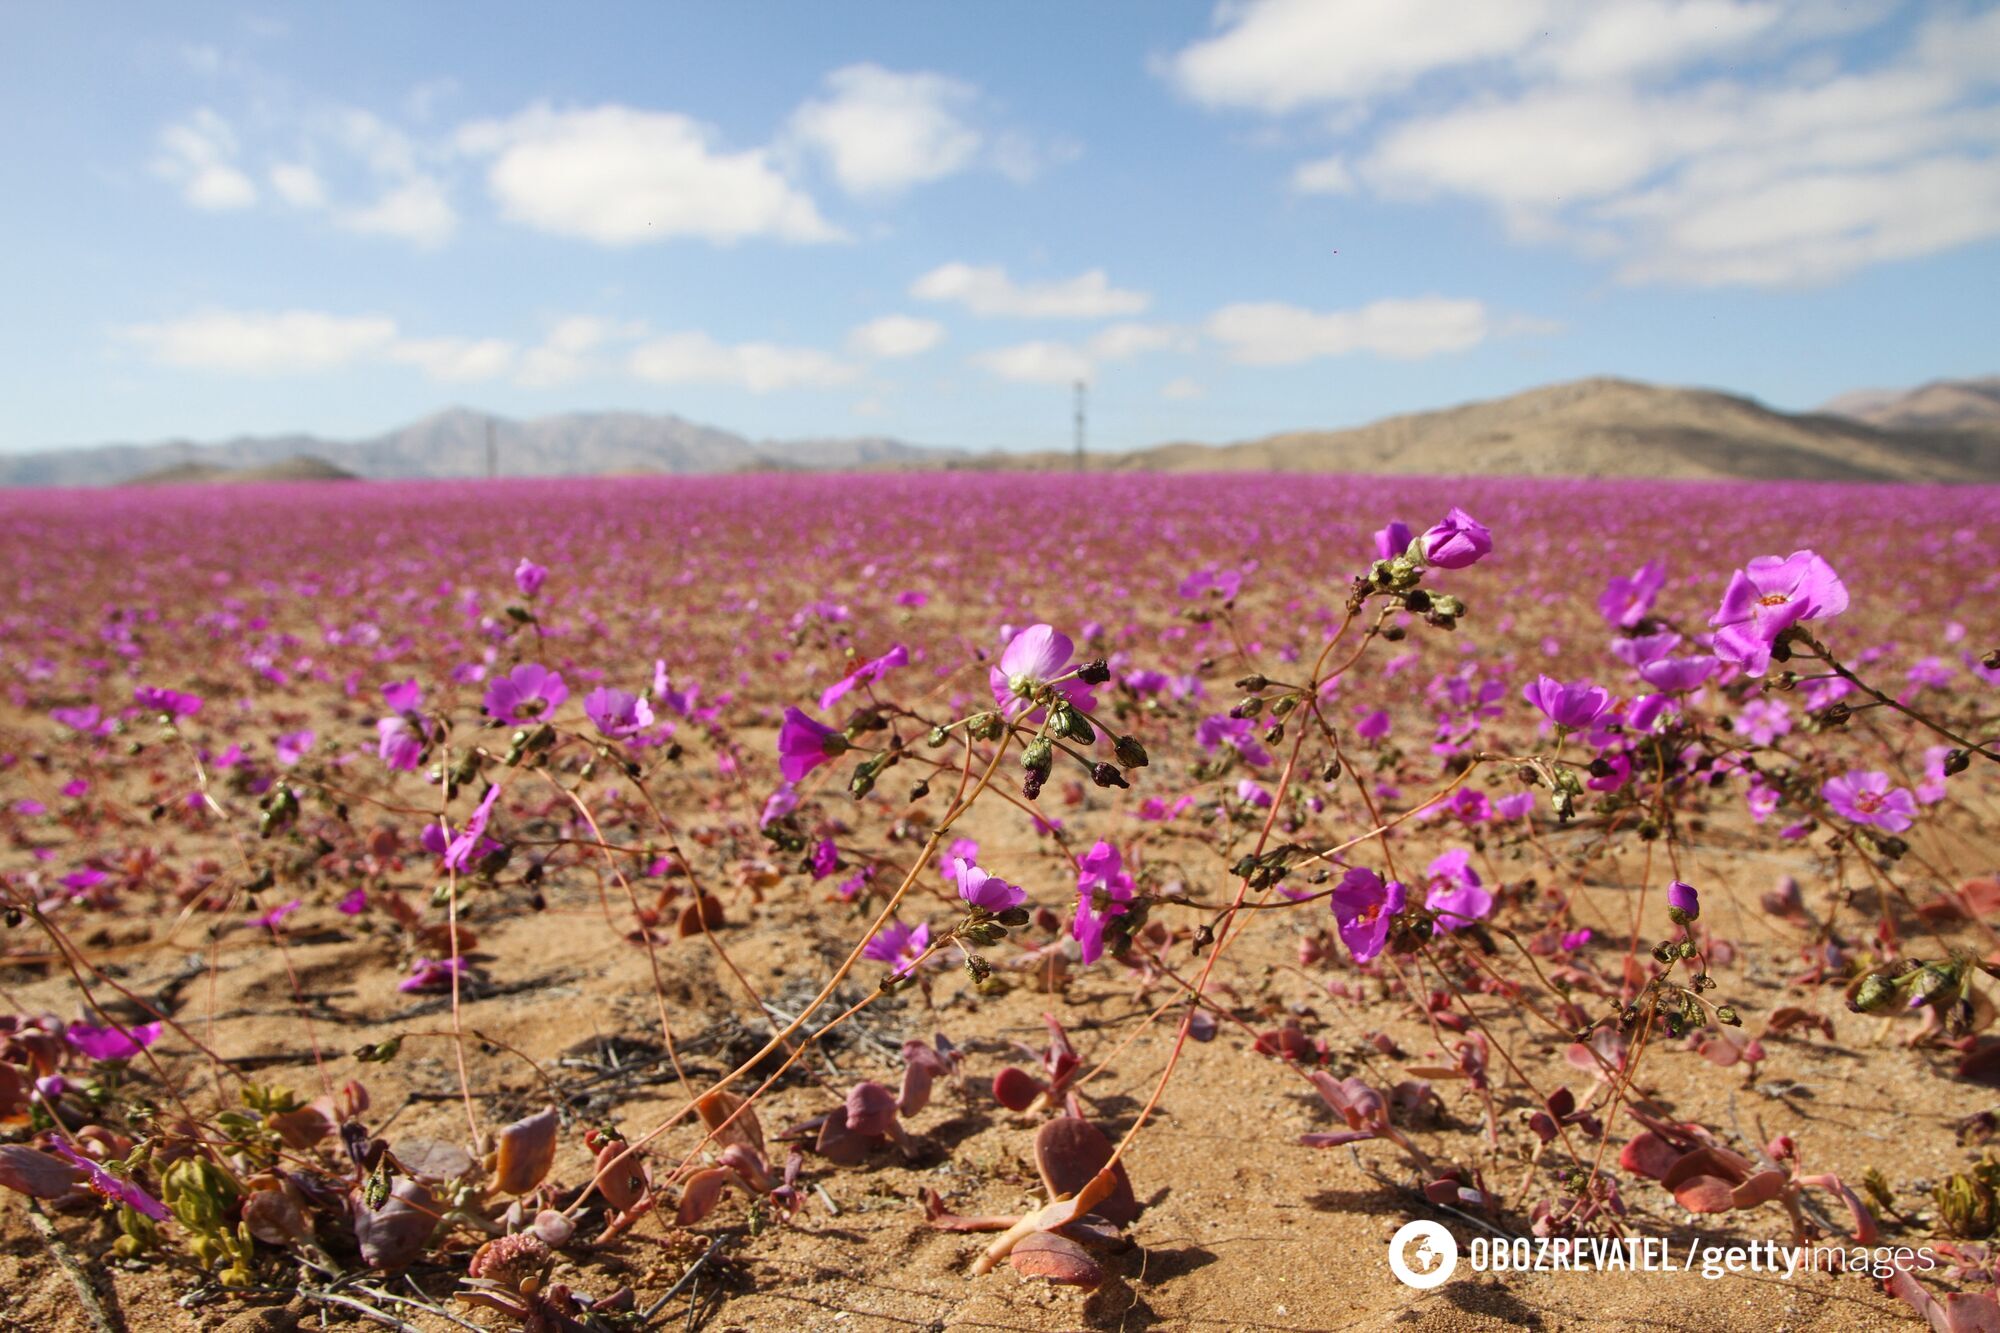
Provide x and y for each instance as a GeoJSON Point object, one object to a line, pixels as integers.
{"type": "Point", "coordinates": [1029, 665]}
{"type": "Point", "coordinates": [1868, 798]}
{"type": "Point", "coordinates": [1767, 597]}
{"type": "Point", "coordinates": [432, 974]}
{"type": "Point", "coordinates": [107, 1186]}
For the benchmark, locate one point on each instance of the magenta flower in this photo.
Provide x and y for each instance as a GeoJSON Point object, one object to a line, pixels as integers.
{"type": "Point", "coordinates": [1517, 806]}
{"type": "Point", "coordinates": [779, 804]}
{"type": "Point", "coordinates": [472, 846]}
{"type": "Point", "coordinates": [1029, 665]}
{"type": "Point", "coordinates": [1575, 939]}
{"type": "Point", "coordinates": [804, 745]}
{"type": "Point", "coordinates": [1627, 601]}
{"type": "Point", "coordinates": [825, 858]}
{"type": "Point", "coordinates": [528, 692]}
{"type": "Point", "coordinates": [961, 849]}
{"type": "Point", "coordinates": [1644, 648]}
{"type": "Point", "coordinates": [399, 745]}
{"type": "Point", "coordinates": [1456, 541]}
{"type": "Point", "coordinates": [616, 714]}
{"type": "Point", "coordinates": [109, 1043]}
{"type": "Point", "coordinates": [1374, 724]}
{"type": "Point", "coordinates": [1103, 890]}
{"type": "Point", "coordinates": [432, 974]}
{"type": "Point", "coordinates": [1571, 706]}
{"type": "Point", "coordinates": [1224, 583]}
{"type": "Point", "coordinates": [1393, 540]}
{"type": "Point", "coordinates": [174, 703]}
{"type": "Point", "coordinates": [669, 698]}
{"type": "Point", "coordinates": [1456, 894]}
{"type": "Point", "coordinates": [898, 944]}
{"type": "Point", "coordinates": [86, 720]}
{"type": "Point", "coordinates": [529, 577]}
{"type": "Point", "coordinates": [1867, 798]}
{"type": "Point", "coordinates": [1239, 733]}
{"type": "Point", "coordinates": [354, 902]}
{"type": "Point", "coordinates": [1362, 905]}
{"type": "Point", "coordinates": [1678, 675]}
{"type": "Point", "coordinates": [1767, 597]}
{"type": "Point", "coordinates": [1683, 902]}
{"type": "Point", "coordinates": [107, 1186]}
{"type": "Point", "coordinates": [274, 918]}
{"type": "Point", "coordinates": [987, 892]}
{"type": "Point", "coordinates": [1251, 794]}
{"type": "Point", "coordinates": [865, 674]}
{"type": "Point", "coordinates": [403, 696]}
{"type": "Point", "coordinates": [292, 746]}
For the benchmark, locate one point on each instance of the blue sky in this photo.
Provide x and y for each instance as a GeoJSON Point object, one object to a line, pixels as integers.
{"type": "Point", "coordinates": [927, 220]}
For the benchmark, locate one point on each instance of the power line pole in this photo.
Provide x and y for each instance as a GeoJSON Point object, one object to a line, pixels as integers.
{"type": "Point", "coordinates": [492, 452]}
{"type": "Point", "coordinates": [1080, 390]}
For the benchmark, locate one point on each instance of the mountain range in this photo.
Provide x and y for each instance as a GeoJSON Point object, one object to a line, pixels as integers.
{"type": "Point", "coordinates": [1946, 431]}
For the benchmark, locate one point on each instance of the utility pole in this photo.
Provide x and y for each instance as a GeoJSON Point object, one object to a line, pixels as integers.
{"type": "Point", "coordinates": [492, 452]}
{"type": "Point", "coordinates": [1080, 390]}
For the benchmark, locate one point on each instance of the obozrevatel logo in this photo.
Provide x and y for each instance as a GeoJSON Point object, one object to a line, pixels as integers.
{"type": "Point", "coordinates": [1422, 1255]}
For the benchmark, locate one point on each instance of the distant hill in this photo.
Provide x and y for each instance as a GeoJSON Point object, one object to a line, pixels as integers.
{"type": "Point", "coordinates": [1946, 432]}
{"type": "Point", "coordinates": [1590, 428]}
{"type": "Point", "coordinates": [1941, 404]}
{"type": "Point", "coordinates": [300, 467]}
{"type": "Point", "coordinates": [453, 444]}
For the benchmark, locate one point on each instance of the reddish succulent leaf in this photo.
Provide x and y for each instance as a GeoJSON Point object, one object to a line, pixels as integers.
{"type": "Point", "coordinates": [396, 1233]}
{"type": "Point", "coordinates": [717, 1106]}
{"type": "Point", "coordinates": [1337, 1139]}
{"type": "Point", "coordinates": [839, 1144]}
{"type": "Point", "coordinates": [275, 1218]}
{"type": "Point", "coordinates": [699, 1197]}
{"type": "Point", "coordinates": [1705, 1194]}
{"type": "Point", "coordinates": [434, 1160]}
{"type": "Point", "coordinates": [625, 1185]}
{"type": "Point", "coordinates": [871, 1109]}
{"type": "Point", "coordinates": [1981, 1061]}
{"type": "Point", "coordinates": [915, 1094]}
{"type": "Point", "coordinates": [695, 917]}
{"type": "Point", "coordinates": [1709, 1160]}
{"type": "Point", "coordinates": [526, 1151]}
{"type": "Point", "coordinates": [1069, 1151]}
{"type": "Point", "coordinates": [1760, 1188]}
{"type": "Point", "coordinates": [1016, 1089]}
{"type": "Point", "coordinates": [1055, 1259]}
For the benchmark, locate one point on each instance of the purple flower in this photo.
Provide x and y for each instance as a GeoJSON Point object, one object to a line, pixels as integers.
{"type": "Point", "coordinates": [1677, 675]}
{"type": "Point", "coordinates": [1767, 597]}
{"type": "Point", "coordinates": [432, 974]}
{"type": "Point", "coordinates": [85, 720]}
{"type": "Point", "coordinates": [1575, 939]}
{"type": "Point", "coordinates": [1646, 710]}
{"type": "Point", "coordinates": [804, 745]}
{"type": "Point", "coordinates": [1518, 806]}
{"type": "Point", "coordinates": [274, 918]}
{"type": "Point", "coordinates": [780, 803]}
{"type": "Point", "coordinates": [1644, 648]}
{"type": "Point", "coordinates": [899, 944]}
{"type": "Point", "coordinates": [1029, 665]}
{"type": "Point", "coordinates": [292, 746]}
{"type": "Point", "coordinates": [1393, 540]}
{"type": "Point", "coordinates": [528, 692]}
{"type": "Point", "coordinates": [667, 697]}
{"type": "Point", "coordinates": [1374, 724]}
{"type": "Point", "coordinates": [1573, 705]}
{"type": "Point", "coordinates": [354, 902]}
{"type": "Point", "coordinates": [1236, 732]}
{"type": "Point", "coordinates": [404, 696]}
{"type": "Point", "coordinates": [961, 849]}
{"type": "Point", "coordinates": [1867, 798]}
{"type": "Point", "coordinates": [825, 858]}
{"type": "Point", "coordinates": [617, 714]}
{"type": "Point", "coordinates": [173, 703]}
{"type": "Point", "coordinates": [107, 1186]}
{"type": "Point", "coordinates": [1362, 905]}
{"type": "Point", "coordinates": [1248, 792]}
{"type": "Point", "coordinates": [1456, 895]}
{"type": "Point", "coordinates": [1627, 601]}
{"type": "Point", "coordinates": [472, 846]}
{"type": "Point", "coordinates": [1103, 889]}
{"type": "Point", "coordinates": [1224, 583]}
{"type": "Point", "coordinates": [1683, 903]}
{"type": "Point", "coordinates": [866, 673]}
{"type": "Point", "coordinates": [987, 892]}
{"type": "Point", "coordinates": [399, 745]}
{"type": "Point", "coordinates": [1457, 541]}
{"type": "Point", "coordinates": [529, 577]}
{"type": "Point", "coordinates": [109, 1043]}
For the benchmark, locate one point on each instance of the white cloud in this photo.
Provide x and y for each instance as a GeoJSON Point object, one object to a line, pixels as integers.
{"type": "Point", "coordinates": [1279, 55]}
{"type": "Point", "coordinates": [1036, 363]}
{"type": "Point", "coordinates": [1701, 142]}
{"type": "Point", "coordinates": [893, 336]}
{"type": "Point", "coordinates": [1271, 333]}
{"type": "Point", "coordinates": [456, 360]}
{"type": "Point", "coordinates": [565, 353]}
{"type": "Point", "coordinates": [1121, 341]}
{"type": "Point", "coordinates": [252, 343]}
{"type": "Point", "coordinates": [883, 131]}
{"type": "Point", "coordinates": [696, 358]}
{"type": "Point", "coordinates": [1181, 390]}
{"type": "Point", "coordinates": [989, 291]}
{"type": "Point", "coordinates": [1326, 175]}
{"type": "Point", "coordinates": [199, 156]}
{"type": "Point", "coordinates": [416, 211]}
{"type": "Point", "coordinates": [620, 176]}
{"type": "Point", "coordinates": [298, 185]}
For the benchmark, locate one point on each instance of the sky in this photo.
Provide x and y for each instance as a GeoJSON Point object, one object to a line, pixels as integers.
{"type": "Point", "coordinates": [930, 220]}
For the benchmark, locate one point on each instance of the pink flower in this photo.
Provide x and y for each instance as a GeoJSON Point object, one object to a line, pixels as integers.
{"type": "Point", "coordinates": [1103, 890]}
{"type": "Point", "coordinates": [107, 1186]}
{"type": "Point", "coordinates": [825, 858]}
{"type": "Point", "coordinates": [865, 674]}
{"type": "Point", "coordinates": [1767, 597]}
{"type": "Point", "coordinates": [1362, 905]}
{"type": "Point", "coordinates": [1456, 895]}
{"type": "Point", "coordinates": [804, 745]}
{"type": "Point", "coordinates": [1571, 706]}
{"type": "Point", "coordinates": [173, 703]}
{"type": "Point", "coordinates": [899, 944]}
{"type": "Point", "coordinates": [987, 892]}
{"type": "Point", "coordinates": [1644, 648]}
{"type": "Point", "coordinates": [354, 902]}
{"type": "Point", "coordinates": [109, 1043]}
{"type": "Point", "coordinates": [1677, 675]}
{"type": "Point", "coordinates": [528, 692]}
{"type": "Point", "coordinates": [293, 746]}
{"type": "Point", "coordinates": [432, 974]}
{"type": "Point", "coordinates": [617, 714]}
{"type": "Point", "coordinates": [1627, 601]}
{"type": "Point", "coordinates": [274, 918]}
{"type": "Point", "coordinates": [1030, 664]}
{"type": "Point", "coordinates": [1867, 798]}
{"type": "Point", "coordinates": [472, 846]}
{"type": "Point", "coordinates": [529, 577]}
{"type": "Point", "coordinates": [405, 696]}
{"type": "Point", "coordinates": [1393, 540]}
{"type": "Point", "coordinates": [398, 744]}
{"type": "Point", "coordinates": [1456, 541]}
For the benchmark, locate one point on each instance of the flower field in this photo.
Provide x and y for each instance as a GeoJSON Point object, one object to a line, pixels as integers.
{"type": "Point", "coordinates": [993, 900]}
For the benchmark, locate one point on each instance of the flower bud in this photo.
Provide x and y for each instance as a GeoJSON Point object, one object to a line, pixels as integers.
{"type": "Point", "coordinates": [1129, 752]}
{"type": "Point", "coordinates": [1875, 992]}
{"type": "Point", "coordinates": [1094, 672]}
{"type": "Point", "coordinates": [1956, 761]}
{"type": "Point", "coordinates": [1107, 775]}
